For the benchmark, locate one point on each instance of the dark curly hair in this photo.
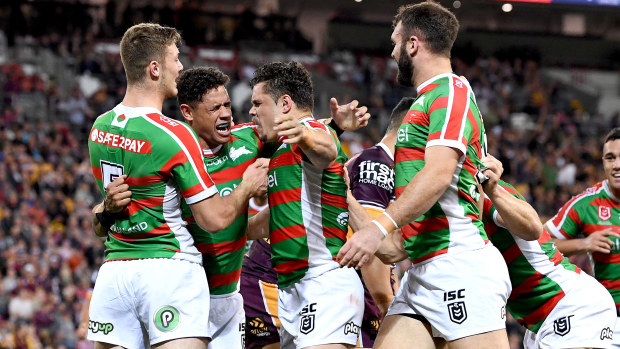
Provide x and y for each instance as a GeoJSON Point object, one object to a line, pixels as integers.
{"type": "Point", "coordinates": [431, 22]}
{"type": "Point", "coordinates": [286, 78]}
{"type": "Point", "coordinates": [195, 82]}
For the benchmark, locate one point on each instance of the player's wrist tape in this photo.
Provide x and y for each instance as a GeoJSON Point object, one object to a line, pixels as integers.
{"type": "Point", "coordinates": [335, 127]}
{"type": "Point", "coordinates": [381, 228]}
{"type": "Point", "coordinates": [391, 219]}
{"type": "Point", "coordinates": [106, 218]}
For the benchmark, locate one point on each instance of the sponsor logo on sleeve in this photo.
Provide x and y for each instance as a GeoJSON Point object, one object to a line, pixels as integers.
{"type": "Point", "coordinates": [121, 142]}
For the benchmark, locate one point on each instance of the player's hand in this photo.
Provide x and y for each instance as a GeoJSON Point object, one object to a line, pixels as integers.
{"type": "Point", "coordinates": [255, 177]}
{"type": "Point", "coordinates": [289, 127]}
{"type": "Point", "coordinates": [599, 241]}
{"type": "Point", "coordinates": [494, 172]}
{"type": "Point", "coordinates": [347, 180]}
{"type": "Point", "coordinates": [349, 117]}
{"type": "Point", "coordinates": [360, 247]}
{"type": "Point", "coordinates": [118, 195]}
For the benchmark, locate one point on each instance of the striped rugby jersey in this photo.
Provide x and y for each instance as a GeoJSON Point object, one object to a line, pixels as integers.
{"type": "Point", "coordinates": [163, 161]}
{"type": "Point", "coordinates": [444, 114]}
{"type": "Point", "coordinates": [593, 210]}
{"type": "Point", "coordinates": [309, 212]}
{"type": "Point", "coordinates": [223, 251]}
{"type": "Point", "coordinates": [540, 275]}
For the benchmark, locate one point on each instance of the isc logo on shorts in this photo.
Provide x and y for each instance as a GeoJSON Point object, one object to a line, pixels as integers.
{"type": "Point", "coordinates": [456, 310]}
{"type": "Point", "coordinates": [561, 326]}
{"type": "Point", "coordinates": [307, 318]}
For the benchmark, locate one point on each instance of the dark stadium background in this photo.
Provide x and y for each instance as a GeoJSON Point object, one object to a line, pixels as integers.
{"type": "Point", "coordinates": [546, 77]}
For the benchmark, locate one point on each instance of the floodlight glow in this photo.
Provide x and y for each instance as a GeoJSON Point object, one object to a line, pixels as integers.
{"type": "Point", "coordinates": [507, 7]}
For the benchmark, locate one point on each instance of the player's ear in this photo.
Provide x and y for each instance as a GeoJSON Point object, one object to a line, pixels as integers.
{"type": "Point", "coordinates": [154, 69]}
{"type": "Point", "coordinates": [187, 112]}
{"type": "Point", "coordinates": [287, 103]}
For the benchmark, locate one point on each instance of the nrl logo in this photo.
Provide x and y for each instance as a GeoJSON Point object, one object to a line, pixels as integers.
{"type": "Point", "coordinates": [236, 153]}
{"type": "Point", "coordinates": [561, 326]}
{"type": "Point", "coordinates": [457, 312]}
{"type": "Point", "coordinates": [604, 212]}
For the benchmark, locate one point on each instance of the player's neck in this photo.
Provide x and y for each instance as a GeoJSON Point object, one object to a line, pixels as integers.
{"type": "Point", "coordinates": [390, 141]}
{"type": "Point", "coordinates": [140, 96]}
{"type": "Point", "coordinates": [431, 67]}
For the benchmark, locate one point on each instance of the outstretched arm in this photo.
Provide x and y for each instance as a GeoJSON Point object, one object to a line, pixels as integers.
{"type": "Point", "coordinates": [316, 143]}
{"type": "Point", "coordinates": [514, 214]}
{"type": "Point", "coordinates": [598, 241]}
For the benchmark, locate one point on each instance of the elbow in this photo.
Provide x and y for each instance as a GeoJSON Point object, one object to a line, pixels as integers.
{"type": "Point", "coordinates": [533, 232]}
{"type": "Point", "coordinates": [212, 224]}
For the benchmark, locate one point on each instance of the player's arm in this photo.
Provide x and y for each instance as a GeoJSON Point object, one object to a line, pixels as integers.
{"type": "Point", "coordinates": [348, 117]}
{"type": "Point", "coordinates": [258, 226]}
{"type": "Point", "coordinates": [118, 196]}
{"type": "Point", "coordinates": [317, 143]}
{"type": "Point", "coordinates": [218, 212]}
{"type": "Point", "coordinates": [598, 241]}
{"type": "Point", "coordinates": [418, 197]}
{"type": "Point", "coordinates": [513, 213]}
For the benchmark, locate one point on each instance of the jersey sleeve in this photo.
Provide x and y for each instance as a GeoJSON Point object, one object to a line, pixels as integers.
{"type": "Point", "coordinates": [490, 212]}
{"type": "Point", "coordinates": [187, 166]}
{"type": "Point", "coordinates": [566, 224]}
{"type": "Point", "coordinates": [448, 116]}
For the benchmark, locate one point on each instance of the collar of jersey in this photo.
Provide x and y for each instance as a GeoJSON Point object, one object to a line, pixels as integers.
{"type": "Point", "coordinates": [206, 152]}
{"type": "Point", "coordinates": [427, 82]}
{"type": "Point", "coordinates": [386, 149]}
{"type": "Point", "coordinates": [135, 112]}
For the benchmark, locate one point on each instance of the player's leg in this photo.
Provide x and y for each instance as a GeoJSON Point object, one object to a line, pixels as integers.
{"type": "Point", "coordinates": [260, 303]}
{"type": "Point", "coordinates": [174, 303]}
{"type": "Point", "coordinates": [183, 343]}
{"type": "Point", "coordinates": [99, 345]}
{"type": "Point", "coordinates": [403, 331]}
{"type": "Point", "coordinates": [227, 322]}
{"type": "Point", "coordinates": [489, 340]}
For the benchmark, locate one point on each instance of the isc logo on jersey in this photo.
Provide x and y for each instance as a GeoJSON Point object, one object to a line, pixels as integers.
{"type": "Point", "coordinates": [376, 173]}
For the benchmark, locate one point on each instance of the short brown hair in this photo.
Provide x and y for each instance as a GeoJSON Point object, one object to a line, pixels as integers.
{"type": "Point", "coordinates": [430, 21]}
{"type": "Point", "coordinates": [143, 43]}
{"type": "Point", "coordinates": [290, 78]}
{"type": "Point", "coordinates": [612, 135]}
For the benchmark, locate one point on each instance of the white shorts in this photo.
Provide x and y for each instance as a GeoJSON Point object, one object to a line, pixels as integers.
{"type": "Point", "coordinates": [584, 318]}
{"type": "Point", "coordinates": [616, 336]}
{"type": "Point", "coordinates": [167, 297]}
{"type": "Point", "coordinates": [227, 322]}
{"type": "Point", "coordinates": [326, 309]}
{"type": "Point", "coordinates": [459, 295]}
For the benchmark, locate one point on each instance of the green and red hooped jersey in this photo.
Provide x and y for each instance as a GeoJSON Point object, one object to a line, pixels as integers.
{"type": "Point", "coordinates": [540, 275]}
{"type": "Point", "coordinates": [593, 210]}
{"type": "Point", "coordinates": [309, 212]}
{"type": "Point", "coordinates": [223, 251]}
{"type": "Point", "coordinates": [444, 114]}
{"type": "Point", "coordinates": [163, 161]}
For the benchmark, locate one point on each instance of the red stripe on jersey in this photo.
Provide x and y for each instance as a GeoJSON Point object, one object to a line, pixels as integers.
{"type": "Point", "coordinates": [286, 158]}
{"type": "Point", "coordinates": [290, 232]}
{"type": "Point", "coordinates": [231, 173]}
{"type": "Point", "coordinates": [291, 266]}
{"type": "Point", "coordinates": [189, 192]}
{"type": "Point", "coordinates": [428, 225]}
{"type": "Point", "coordinates": [416, 117]}
{"type": "Point", "coordinates": [317, 124]}
{"type": "Point", "coordinates": [490, 228]}
{"type": "Point", "coordinates": [428, 88]}
{"type": "Point", "coordinates": [330, 232]}
{"type": "Point", "coordinates": [188, 139]}
{"type": "Point", "coordinates": [157, 231]}
{"type": "Point", "coordinates": [336, 168]}
{"type": "Point", "coordinates": [605, 202]}
{"type": "Point", "coordinates": [284, 196]}
{"type": "Point", "coordinates": [527, 285]}
{"type": "Point", "coordinates": [460, 96]}
{"type": "Point", "coordinates": [544, 237]}
{"type": "Point", "coordinates": [467, 197]}
{"type": "Point", "coordinates": [592, 228]}
{"type": "Point", "coordinates": [222, 247]}
{"type": "Point", "coordinates": [176, 160]}
{"type": "Point", "coordinates": [469, 166]}
{"type": "Point", "coordinates": [486, 210]}
{"type": "Point", "coordinates": [438, 103]}
{"type": "Point", "coordinates": [610, 284]}
{"type": "Point", "coordinates": [409, 154]}
{"type": "Point", "coordinates": [137, 205]}
{"type": "Point", "coordinates": [97, 172]}
{"type": "Point", "coordinates": [606, 258]}
{"type": "Point", "coordinates": [224, 279]}
{"type": "Point", "coordinates": [513, 252]}
{"type": "Point", "coordinates": [140, 181]}
{"type": "Point", "coordinates": [511, 191]}
{"type": "Point", "coordinates": [475, 132]}
{"type": "Point", "coordinates": [543, 311]}
{"type": "Point", "coordinates": [429, 256]}
{"type": "Point", "coordinates": [333, 200]}
{"type": "Point", "coordinates": [399, 190]}
{"type": "Point", "coordinates": [569, 205]}
{"type": "Point", "coordinates": [557, 258]}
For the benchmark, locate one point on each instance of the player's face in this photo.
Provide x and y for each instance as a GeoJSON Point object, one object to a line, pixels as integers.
{"type": "Point", "coordinates": [212, 118]}
{"type": "Point", "coordinates": [401, 57]}
{"type": "Point", "coordinates": [263, 112]}
{"type": "Point", "coordinates": [611, 163]}
{"type": "Point", "coordinates": [171, 66]}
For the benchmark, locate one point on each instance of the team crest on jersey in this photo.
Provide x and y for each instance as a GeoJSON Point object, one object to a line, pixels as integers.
{"type": "Point", "coordinates": [236, 153]}
{"type": "Point", "coordinates": [307, 318]}
{"type": "Point", "coordinates": [604, 212]}
{"type": "Point", "coordinates": [561, 326]}
{"type": "Point", "coordinates": [458, 83]}
{"type": "Point", "coordinates": [457, 312]}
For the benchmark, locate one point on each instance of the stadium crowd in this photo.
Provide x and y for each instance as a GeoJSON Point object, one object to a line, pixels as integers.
{"type": "Point", "coordinates": [549, 145]}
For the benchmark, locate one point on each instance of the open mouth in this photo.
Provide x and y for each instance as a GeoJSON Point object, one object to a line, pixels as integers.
{"type": "Point", "coordinates": [223, 129]}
